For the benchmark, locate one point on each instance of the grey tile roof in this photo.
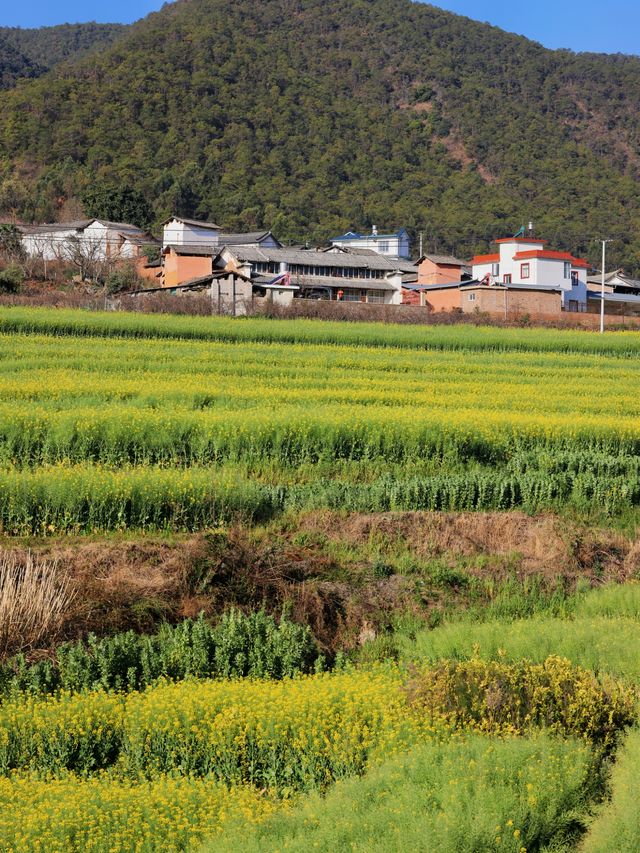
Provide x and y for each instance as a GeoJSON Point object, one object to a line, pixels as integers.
{"type": "Point", "coordinates": [445, 259]}
{"type": "Point", "coordinates": [447, 285]}
{"type": "Point", "coordinates": [195, 222]}
{"type": "Point", "coordinates": [51, 227]}
{"type": "Point", "coordinates": [548, 288]}
{"type": "Point", "coordinates": [119, 226]}
{"type": "Point", "coordinates": [351, 250]}
{"type": "Point", "coordinates": [193, 250]}
{"type": "Point", "coordinates": [628, 282]}
{"type": "Point", "coordinates": [312, 257]}
{"type": "Point", "coordinates": [615, 297]}
{"type": "Point", "coordinates": [247, 239]}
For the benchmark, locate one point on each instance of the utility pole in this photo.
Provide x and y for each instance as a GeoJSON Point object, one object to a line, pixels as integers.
{"type": "Point", "coordinates": [420, 255]}
{"type": "Point", "coordinates": [604, 259]}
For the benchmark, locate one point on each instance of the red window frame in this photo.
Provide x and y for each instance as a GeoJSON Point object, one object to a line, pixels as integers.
{"type": "Point", "coordinates": [506, 278]}
{"type": "Point", "coordinates": [525, 270]}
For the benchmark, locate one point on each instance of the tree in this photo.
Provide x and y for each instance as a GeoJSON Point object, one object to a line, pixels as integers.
{"type": "Point", "coordinates": [11, 248]}
{"type": "Point", "coordinates": [88, 256]}
{"type": "Point", "coordinates": [117, 204]}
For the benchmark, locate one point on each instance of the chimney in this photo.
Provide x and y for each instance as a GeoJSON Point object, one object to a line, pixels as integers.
{"type": "Point", "coordinates": [531, 229]}
{"type": "Point", "coordinates": [374, 230]}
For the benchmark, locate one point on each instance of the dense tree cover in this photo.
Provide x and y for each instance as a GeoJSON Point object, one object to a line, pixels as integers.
{"type": "Point", "coordinates": [40, 49]}
{"type": "Point", "coordinates": [15, 65]}
{"type": "Point", "coordinates": [117, 204]}
{"type": "Point", "coordinates": [311, 116]}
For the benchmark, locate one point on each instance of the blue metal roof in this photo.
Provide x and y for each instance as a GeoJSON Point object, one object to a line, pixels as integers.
{"type": "Point", "coordinates": [615, 297]}
{"type": "Point", "coordinates": [354, 235]}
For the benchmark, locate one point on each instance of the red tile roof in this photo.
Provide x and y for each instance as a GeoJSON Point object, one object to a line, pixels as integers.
{"type": "Point", "coordinates": [547, 254]}
{"type": "Point", "coordinates": [521, 240]}
{"type": "Point", "coordinates": [485, 259]}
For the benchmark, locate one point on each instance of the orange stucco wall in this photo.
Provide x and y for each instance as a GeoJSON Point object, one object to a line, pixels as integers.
{"type": "Point", "coordinates": [431, 273]}
{"type": "Point", "coordinates": [181, 268]}
{"type": "Point", "coordinates": [147, 273]}
{"type": "Point", "coordinates": [443, 300]}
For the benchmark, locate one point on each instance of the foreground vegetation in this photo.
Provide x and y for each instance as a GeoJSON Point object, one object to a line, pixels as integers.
{"type": "Point", "coordinates": [476, 794]}
{"type": "Point", "coordinates": [206, 664]}
{"type": "Point", "coordinates": [617, 824]}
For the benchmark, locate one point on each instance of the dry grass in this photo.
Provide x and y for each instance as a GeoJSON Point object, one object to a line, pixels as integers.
{"type": "Point", "coordinates": [542, 545]}
{"type": "Point", "coordinates": [329, 570]}
{"type": "Point", "coordinates": [35, 597]}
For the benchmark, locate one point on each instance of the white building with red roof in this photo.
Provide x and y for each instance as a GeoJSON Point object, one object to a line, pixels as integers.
{"type": "Point", "coordinates": [527, 262]}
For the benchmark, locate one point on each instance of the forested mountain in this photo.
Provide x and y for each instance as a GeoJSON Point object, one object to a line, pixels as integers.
{"type": "Point", "coordinates": [32, 52]}
{"type": "Point", "coordinates": [15, 65]}
{"type": "Point", "coordinates": [311, 116]}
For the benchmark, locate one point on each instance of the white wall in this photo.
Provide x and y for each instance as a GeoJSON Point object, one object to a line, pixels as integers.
{"type": "Point", "coordinates": [108, 242]}
{"type": "Point", "coordinates": [395, 296]}
{"type": "Point", "coordinates": [392, 246]}
{"type": "Point", "coordinates": [176, 233]}
{"type": "Point", "coordinates": [480, 270]}
{"type": "Point", "coordinates": [49, 246]}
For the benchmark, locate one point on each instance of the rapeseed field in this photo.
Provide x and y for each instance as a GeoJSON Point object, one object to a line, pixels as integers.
{"type": "Point", "coordinates": [492, 734]}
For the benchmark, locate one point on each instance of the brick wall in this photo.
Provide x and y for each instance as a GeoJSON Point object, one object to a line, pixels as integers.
{"type": "Point", "coordinates": [493, 300]}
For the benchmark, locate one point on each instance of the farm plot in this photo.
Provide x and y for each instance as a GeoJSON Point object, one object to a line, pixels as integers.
{"type": "Point", "coordinates": [491, 733]}
{"type": "Point", "coordinates": [105, 432]}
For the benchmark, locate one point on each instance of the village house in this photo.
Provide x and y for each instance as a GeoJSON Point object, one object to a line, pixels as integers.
{"type": "Point", "coordinates": [98, 238]}
{"type": "Point", "coordinates": [433, 270]}
{"type": "Point", "coordinates": [621, 294]}
{"type": "Point", "coordinates": [230, 290]}
{"type": "Point", "coordinates": [526, 261]}
{"type": "Point", "coordinates": [344, 275]}
{"type": "Point", "coordinates": [394, 245]}
{"type": "Point", "coordinates": [438, 269]}
{"type": "Point", "coordinates": [188, 247]}
{"type": "Point", "coordinates": [231, 284]}
{"type": "Point", "coordinates": [523, 277]}
{"type": "Point", "coordinates": [177, 231]}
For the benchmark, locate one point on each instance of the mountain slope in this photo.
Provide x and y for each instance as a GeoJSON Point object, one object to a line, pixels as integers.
{"type": "Point", "coordinates": [31, 52]}
{"type": "Point", "coordinates": [310, 116]}
{"type": "Point", "coordinates": [15, 65]}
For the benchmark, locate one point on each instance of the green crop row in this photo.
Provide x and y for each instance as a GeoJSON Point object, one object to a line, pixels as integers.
{"type": "Point", "coordinates": [465, 337]}
{"type": "Point", "coordinates": [89, 499]}
{"type": "Point", "coordinates": [599, 643]}
{"type": "Point", "coordinates": [291, 436]}
{"type": "Point", "coordinates": [508, 796]}
{"type": "Point", "coordinates": [239, 646]}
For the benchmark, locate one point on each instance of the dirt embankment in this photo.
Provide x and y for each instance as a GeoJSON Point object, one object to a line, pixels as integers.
{"type": "Point", "coordinates": [346, 576]}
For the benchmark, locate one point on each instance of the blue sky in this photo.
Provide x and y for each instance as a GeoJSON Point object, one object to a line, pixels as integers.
{"type": "Point", "coordinates": [578, 24]}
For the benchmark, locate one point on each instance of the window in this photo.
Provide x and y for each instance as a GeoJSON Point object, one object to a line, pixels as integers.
{"type": "Point", "coordinates": [472, 297]}
{"type": "Point", "coordinates": [495, 269]}
{"type": "Point", "coordinates": [351, 295]}
{"type": "Point", "coordinates": [525, 270]}
{"type": "Point", "coordinates": [506, 279]}
{"type": "Point", "coordinates": [383, 246]}
{"type": "Point", "coordinates": [575, 281]}
{"type": "Point", "coordinates": [567, 269]}
{"type": "Point", "coordinates": [375, 296]}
